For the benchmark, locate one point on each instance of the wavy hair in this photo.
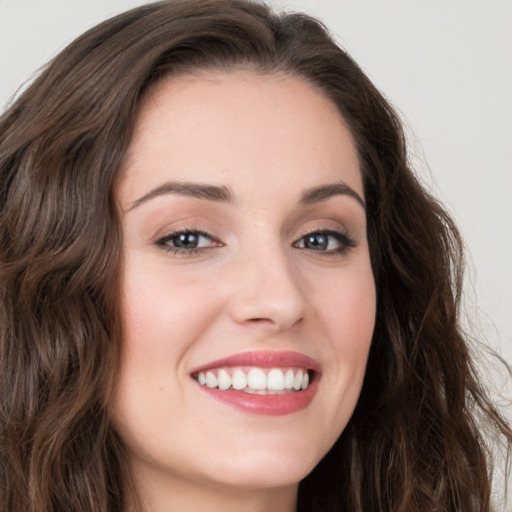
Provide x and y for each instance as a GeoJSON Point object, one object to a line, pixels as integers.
{"type": "Point", "coordinates": [416, 439]}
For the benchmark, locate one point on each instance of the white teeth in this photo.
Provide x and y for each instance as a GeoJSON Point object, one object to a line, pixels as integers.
{"type": "Point", "coordinates": [224, 380]}
{"type": "Point", "coordinates": [239, 380]}
{"type": "Point", "coordinates": [275, 380]}
{"type": "Point", "coordinates": [211, 380]}
{"type": "Point", "coordinates": [297, 382]}
{"type": "Point", "coordinates": [256, 379]}
{"type": "Point", "coordinates": [305, 380]}
{"type": "Point", "coordinates": [288, 379]}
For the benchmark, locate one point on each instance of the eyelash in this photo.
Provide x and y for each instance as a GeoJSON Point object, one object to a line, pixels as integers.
{"type": "Point", "coordinates": [346, 242]}
{"type": "Point", "coordinates": [341, 237]}
{"type": "Point", "coordinates": [163, 242]}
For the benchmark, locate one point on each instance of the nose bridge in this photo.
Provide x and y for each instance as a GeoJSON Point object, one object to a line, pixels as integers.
{"type": "Point", "coordinates": [268, 288]}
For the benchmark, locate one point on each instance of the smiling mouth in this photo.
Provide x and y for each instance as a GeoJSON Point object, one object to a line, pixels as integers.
{"type": "Point", "coordinates": [261, 382]}
{"type": "Point", "coordinates": [256, 380]}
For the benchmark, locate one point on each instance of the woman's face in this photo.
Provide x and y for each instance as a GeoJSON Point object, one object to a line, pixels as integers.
{"type": "Point", "coordinates": [246, 267]}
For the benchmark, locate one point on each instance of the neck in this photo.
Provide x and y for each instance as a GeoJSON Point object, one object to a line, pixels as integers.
{"type": "Point", "coordinates": [156, 494]}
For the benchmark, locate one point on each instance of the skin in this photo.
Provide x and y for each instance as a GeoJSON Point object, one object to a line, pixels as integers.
{"type": "Point", "coordinates": [253, 284]}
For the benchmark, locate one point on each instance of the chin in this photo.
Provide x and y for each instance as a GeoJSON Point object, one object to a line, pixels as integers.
{"type": "Point", "coordinates": [266, 468]}
{"type": "Point", "coordinates": [257, 476]}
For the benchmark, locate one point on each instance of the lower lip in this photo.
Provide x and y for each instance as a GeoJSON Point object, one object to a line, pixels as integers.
{"type": "Point", "coordinates": [269, 405]}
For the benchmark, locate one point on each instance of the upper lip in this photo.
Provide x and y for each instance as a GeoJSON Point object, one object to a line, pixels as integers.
{"type": "Point", "coordinates": [263, 359]}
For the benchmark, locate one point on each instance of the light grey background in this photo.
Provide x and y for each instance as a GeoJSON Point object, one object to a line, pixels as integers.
{"type": "Point", "coordinates": [445, 64]}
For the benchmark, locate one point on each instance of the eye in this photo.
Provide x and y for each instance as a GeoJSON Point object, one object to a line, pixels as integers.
{"type": "Point", "coordinates": [326, 241]}
{"type": "Point", "coordinates": [187, 241]}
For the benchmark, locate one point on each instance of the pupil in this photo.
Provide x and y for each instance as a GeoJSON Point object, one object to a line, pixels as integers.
{"type": "Point", "coordinates": [186, 240]}
{"type": "Point", "coordinates": [316, 242]}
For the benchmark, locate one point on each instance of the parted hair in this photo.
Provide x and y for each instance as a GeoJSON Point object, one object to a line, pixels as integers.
{"type": "Point", "coordinates": [417, 439]}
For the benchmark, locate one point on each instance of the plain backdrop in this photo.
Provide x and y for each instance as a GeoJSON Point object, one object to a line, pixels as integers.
{"type": "Point", "coordinates": [446, 65]}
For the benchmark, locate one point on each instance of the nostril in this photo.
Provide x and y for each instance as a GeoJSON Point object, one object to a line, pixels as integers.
{"type": "Point", "coordinates": [262, 321]}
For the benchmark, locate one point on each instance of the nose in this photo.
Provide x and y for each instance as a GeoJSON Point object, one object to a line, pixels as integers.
{"type": "Point", "coordinates": [268, 293]}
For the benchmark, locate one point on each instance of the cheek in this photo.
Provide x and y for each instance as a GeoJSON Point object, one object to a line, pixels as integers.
{"type": "Point", "coordinates": [160, 306]}
{"type": "Point", "coordinates": [347, 309]}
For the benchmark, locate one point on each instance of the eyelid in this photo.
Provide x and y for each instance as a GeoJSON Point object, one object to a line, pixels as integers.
{"type": "Point", "coordinates": [161, 241]}
{"type": "Point", "coordinates": [347, 241]}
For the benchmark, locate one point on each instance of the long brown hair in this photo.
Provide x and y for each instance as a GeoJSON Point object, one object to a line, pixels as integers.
{"type": "Point", "coordinates": [415, 441]}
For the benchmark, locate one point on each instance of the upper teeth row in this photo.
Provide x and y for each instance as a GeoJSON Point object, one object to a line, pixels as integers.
{"type": "Point", "coordinates": [255, 379]}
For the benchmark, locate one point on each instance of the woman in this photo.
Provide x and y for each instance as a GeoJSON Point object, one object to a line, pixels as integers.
{"type": "Point", "coordinates": [222, 286]}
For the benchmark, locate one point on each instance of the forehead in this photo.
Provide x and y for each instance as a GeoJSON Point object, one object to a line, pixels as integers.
{"type": "Point", "coordinates": [241, 129]}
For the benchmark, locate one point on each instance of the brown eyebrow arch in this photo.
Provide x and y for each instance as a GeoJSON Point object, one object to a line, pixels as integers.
{"type": "Point", "coordinates": [182, 188]}
{"type": "Point", "coordinates": [324, 192]}
{"type": "Point", "coordinates": [224, 194]}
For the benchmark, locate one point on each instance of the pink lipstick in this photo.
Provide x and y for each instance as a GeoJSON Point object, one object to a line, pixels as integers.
{"type": "Point", "coordinates": [261, 382]}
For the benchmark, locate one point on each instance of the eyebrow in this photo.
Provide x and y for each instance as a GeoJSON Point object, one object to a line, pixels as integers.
{"type": "Point", "coordinates": [324, 192]}
{"type": "Point", "coordinates": [224, 194]}
{"type": "Point", "coordinates": [197, 190]}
